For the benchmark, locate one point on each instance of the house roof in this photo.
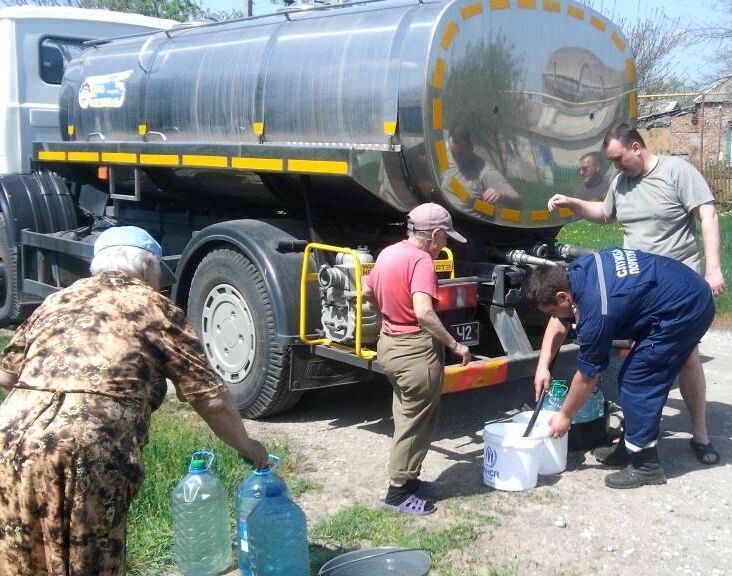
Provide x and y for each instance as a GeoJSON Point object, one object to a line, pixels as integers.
{"type": "Point", "coordinates": [719, 93]}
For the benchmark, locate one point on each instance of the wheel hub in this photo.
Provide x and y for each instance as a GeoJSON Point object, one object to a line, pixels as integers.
{"type": "Point", "coordinates": [228, 332]}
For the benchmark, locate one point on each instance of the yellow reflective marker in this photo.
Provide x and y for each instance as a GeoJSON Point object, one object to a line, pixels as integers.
{"type": "Point", "coordinates": [70, 129]}
{"type": "Point", "coordinates": [119, 157]}
{"type": "Point", "coordinates": [269, 164]}
{"type": "Point", "coordinates": [511, 215]}
{"type": "Point", "coordinates": [458, 189]}
{"type": "Point", "coordinates": [159, 159]}
{"type": "Point", "coordinates": [597, 23]}
{"type": "Point", "coordinates": [633, 104]}
{"type": "Point", "coordinates": [576, 12]}
{"type": "Point", "coordinates": [551, 6]}
{"type": "Point", "coordinates": [530, 4]}
{"type": "Point", "coordinates": [618, 41]}
{"type": "Point", "coordinates": [484, 207]}
{"type": "Point", "coordinates": [437, 113]}
{"type": "Point", "coordinates": [471, 11]}
{"type": "Point", "coordinates": [318, 166]}
{"type": "Point", "coordinates": [540, 216]}
{"type": "Point", "coordinates": [500, 4]}
{"type": "Point", "coordinates": [449, 35]}
{"type": "Point", "coordinates": [441, 152]}
{"type": "Point", "coordinates": [565, 213]}
{"type": "Point", "coordinates": [142, 129]}
{"type": "Point", "coordinates": [51, 155]}
{"type": "Point", "coordinates": [83, 156]}
{"type": "Point", "coordinates": [630, 70]}
{"type": "Point", "coordinates": [439, 75]}
{"type": "Point", "coordinates": [258, 128]}
{"type": "Point", "coordinates": [390, 127]}
{"type": "Point", "coordinates": [205, 161]}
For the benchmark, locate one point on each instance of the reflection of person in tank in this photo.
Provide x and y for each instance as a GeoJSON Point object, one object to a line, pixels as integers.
{"type": "Point", "coordinates": [478, 177]}
{"type": "Point", "coordinates": [593, 186]}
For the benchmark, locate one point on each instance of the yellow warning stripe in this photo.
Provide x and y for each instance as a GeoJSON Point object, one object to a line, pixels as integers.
{"type": "Point", "coordinates": [83, 156]}
{"type": "Point", "coordinates": [269, 164]}
{"type": "Point", "coordinates": [457, 187]}
{"type": "Point", "coordinates": [439, 75]}
{"type": "Point", "coordinates": [500, 4]}
{"type": "Point", "coordinates": [484, 207]}
{"type": "Point", "coordinates": [318, 166]}
{"type": "Point", "coordinates": [449, 35]}
{"type": "Point", "coordinates": [565, 213]}
{"type": "Point", "coordinates": [52, 156]}
{"type": "Point", "coordinates": [159, 159]}
{"type": "Point", "coordinates": [597, 23]}
{"type": "Point", "coordinates": [205, 161]}
{"type": "Point", "coordinates": [119, 157]}
{"type": "Point", "coordinates": [576, 12]}
{"type": "Point", "coordinates": [511, 215]}
{"type": "Point", "coordinates": [471, 11]}
{"type": "Point", "coordinates": [437, 113]}
{"type": "Point", "coordinates": [618, 41]}
{"type": "Point", "coordinates": [441, 152]}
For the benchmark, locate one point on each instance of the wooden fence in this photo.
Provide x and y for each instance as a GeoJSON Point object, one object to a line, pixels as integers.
{"type": "Point", "coordinates": [719, 177]}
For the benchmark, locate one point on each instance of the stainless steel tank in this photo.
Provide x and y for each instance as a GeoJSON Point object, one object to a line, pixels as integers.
{"type": "Point", "coordinates": [485, 106]}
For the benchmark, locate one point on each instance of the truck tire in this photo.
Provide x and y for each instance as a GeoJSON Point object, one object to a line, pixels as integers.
{"type": "Point", "coordinates": [10, 310]}
{"type": "Point", "coordinates": [231, 309]}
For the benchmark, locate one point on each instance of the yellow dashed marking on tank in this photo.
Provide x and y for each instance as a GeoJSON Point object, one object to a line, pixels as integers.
{"type": "Point", "coordinates": [258, 128]}
{"type": "Point", "coordinates": [597, 23]}
{"type": "Point", "coordinates": [160, 159]}
{"type": "Point", "coordinates": [119, 157]}
{"type": "Point", "coordinates": [471, 10]}
{"type": "Point", "coordinates": [441, 151]}
{"type": "Point", "coordinates": [142, 129]}
{"type": "Point", "coordinates": [437, 113]}
{"type": "Point", "coordinates": [500, 4]}
{"type": "Point", "coordinates": [458, 189]}
{"type": "Point", "coordinates": [269, 164]}
{"type": "Point", "coordinates": [449, 35]}
{"type": "Point", "coordinates": [484, 207]}
{"type": "Point", "coordinates": [205, 161]}
{"type": "Point", "coordinates": [70, 129]}
{"type": "Point", "coordinates": [633, 104]}
{"type": "Point", "coordinates": [83, 156]}
{"type": "Point", "coordinates": [629, 70]}
{"type": "Point", "coordinates": [618, 41]}
{"type": "Point", "coordinates": [390, 127]}
{"type": "Point", "coordinates": [551, 6]}
{"type": "Point", "coordinates": [540, 216]}
{"type": "Point", "coordinates": [439, 76]}
{"type": "Point", "coordinates": [565, 213]}
{"type": "Point", "coordinates": [50, 155]}
{"type": "Point", "coordinates": [511, 215]}
{"type": "Point", "coordinates": [576, 12]}
{"type": "Point", "coordinates": [530, 4]}
{"type": "Point", "coordinates": [318, 166]}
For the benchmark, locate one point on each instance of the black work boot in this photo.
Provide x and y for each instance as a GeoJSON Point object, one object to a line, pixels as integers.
{"type": "Point", "coordinates": [644, 468]}
{"type": "Point", "coordinates": [615, 456]}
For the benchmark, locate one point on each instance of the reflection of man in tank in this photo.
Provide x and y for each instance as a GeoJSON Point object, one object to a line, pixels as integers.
{"type": "Point", "coordinates": [479, 178]}
{"type": "Point", "coordinates": [593, 186]}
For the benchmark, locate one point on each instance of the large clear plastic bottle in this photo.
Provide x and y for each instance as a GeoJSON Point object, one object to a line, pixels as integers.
{"type": "Point", "coordinates": [278, 536]}
{"type": "Point", "coordinates": [201, 520]}
{"type": "Point", "coordinates": [249, 495]}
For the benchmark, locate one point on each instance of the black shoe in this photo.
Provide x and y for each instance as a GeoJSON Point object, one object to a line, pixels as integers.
{"type": "Point", "coordinates": [615, 456]}
{"type": "Point", "coordinates": [644, 469]}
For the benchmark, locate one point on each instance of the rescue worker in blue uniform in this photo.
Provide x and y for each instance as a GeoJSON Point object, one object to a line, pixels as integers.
{"type": "Point", "coordinates": [659, 303]}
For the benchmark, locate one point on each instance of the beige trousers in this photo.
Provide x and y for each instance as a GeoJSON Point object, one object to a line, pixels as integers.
{"type": "Point", "coordinates": [414, 364]}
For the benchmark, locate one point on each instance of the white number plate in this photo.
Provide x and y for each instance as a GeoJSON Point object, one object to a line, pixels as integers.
{"type": "Point", "coordinates": [466, 333]}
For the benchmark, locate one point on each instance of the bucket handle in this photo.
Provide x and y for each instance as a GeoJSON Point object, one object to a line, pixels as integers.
{"type": "Point", "coordinates": [376, 555]}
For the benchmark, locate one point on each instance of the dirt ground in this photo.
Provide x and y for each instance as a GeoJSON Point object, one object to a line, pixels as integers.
{"type": "Point", "coordinates": [570, 523]}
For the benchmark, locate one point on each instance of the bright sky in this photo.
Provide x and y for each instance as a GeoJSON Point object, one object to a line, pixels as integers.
{"type": "Point", "coordinates": [693, 60]}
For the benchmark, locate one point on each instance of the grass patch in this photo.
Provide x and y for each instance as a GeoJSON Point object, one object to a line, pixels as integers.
{"type": "Point", "coordinates": [176, 431]}
{"type": "Point", "coordinates": [357, 527]}
{"type": "Point", "coordinates": [590, 235]}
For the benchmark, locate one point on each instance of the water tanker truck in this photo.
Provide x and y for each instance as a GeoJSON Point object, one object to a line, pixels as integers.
{"type": "Point", "coordinates": [274, 157]}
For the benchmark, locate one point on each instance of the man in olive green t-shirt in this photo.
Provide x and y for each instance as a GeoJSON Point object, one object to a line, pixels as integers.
{"type": "Point", "coordinates": [657, 200]}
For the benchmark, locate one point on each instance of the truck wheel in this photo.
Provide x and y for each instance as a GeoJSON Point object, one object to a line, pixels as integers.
{"type": "Point", "coordinates": [231, 309]}
{"type": "Point", "coordinates": [10, 312]}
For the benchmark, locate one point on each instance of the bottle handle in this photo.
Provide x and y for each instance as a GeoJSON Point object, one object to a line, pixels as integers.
{"type": "Point", "coordinates": [206, 455]}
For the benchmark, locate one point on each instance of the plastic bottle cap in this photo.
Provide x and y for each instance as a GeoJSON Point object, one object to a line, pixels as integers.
{"type": "Point", "coordinates": [197, 466]}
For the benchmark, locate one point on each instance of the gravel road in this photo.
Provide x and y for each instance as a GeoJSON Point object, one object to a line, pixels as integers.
{"type": "Point", "coordinates": [568, 524]}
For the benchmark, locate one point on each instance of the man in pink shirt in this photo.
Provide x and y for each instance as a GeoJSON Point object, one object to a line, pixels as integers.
{"type": "Point", "coordinates": [411, 347]}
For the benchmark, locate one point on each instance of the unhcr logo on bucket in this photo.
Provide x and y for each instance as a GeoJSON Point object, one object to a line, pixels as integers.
{"type": "Point", "coordinates": [490, 458]}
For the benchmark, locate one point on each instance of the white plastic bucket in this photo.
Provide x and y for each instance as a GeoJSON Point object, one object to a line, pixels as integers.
{"type": "Point", "coordinates": [510, 462]}
{"type": "Point", "coordinates": [553, 452]}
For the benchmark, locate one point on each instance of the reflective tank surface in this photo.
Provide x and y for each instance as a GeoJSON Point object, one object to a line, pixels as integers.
{"type": "Point", "coordinates": [484, 106]}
